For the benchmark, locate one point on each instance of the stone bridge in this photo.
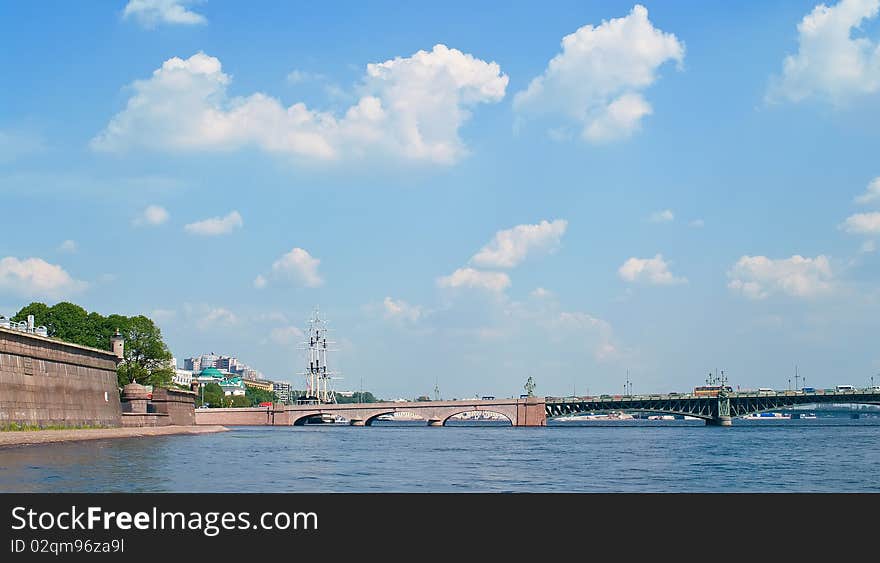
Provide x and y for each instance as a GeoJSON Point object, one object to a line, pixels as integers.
{"type": "Point", "coordinates": [521, 412]}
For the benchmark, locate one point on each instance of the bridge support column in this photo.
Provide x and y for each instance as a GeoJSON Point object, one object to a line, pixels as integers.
{"type": "Point", "coordinates": [719, 421]}
{"type": "Point", "coordinates": [357, 422]}
{"type": "Point", "coordinates": [530, 412]}
{"type": "Point", "coordinates": [435, 422]}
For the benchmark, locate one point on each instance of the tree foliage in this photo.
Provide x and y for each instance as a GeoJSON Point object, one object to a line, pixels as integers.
{"type": "Point", "coordinates": [357, 397]}
{"type": "Point", "coordinates": [256, 396]}
{"type": "Point", "coordinates": [147, 358]}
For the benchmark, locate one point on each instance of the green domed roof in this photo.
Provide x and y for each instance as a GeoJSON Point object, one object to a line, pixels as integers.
{"type": "Point", "coordinates": [211, 372]}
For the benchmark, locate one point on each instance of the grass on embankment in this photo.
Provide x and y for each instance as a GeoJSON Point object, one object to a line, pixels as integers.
{"type": "Point", "coordinates": [16, 427]}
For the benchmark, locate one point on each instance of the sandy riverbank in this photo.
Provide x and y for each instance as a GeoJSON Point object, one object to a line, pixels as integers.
{"type": "Point", "coordinates": [26, 438]}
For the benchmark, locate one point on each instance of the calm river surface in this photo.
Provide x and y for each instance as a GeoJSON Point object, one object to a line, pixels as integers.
{"type": "Point", "coordinates": [826, 454]}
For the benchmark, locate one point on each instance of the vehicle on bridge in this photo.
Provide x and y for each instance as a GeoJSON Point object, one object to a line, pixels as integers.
{"type": "Point", "coordinates": [845, 388]}
{"type": "Point", "coordinates": [711, 390]}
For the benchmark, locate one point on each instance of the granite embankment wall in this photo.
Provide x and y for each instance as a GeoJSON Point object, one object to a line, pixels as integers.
{"type": "Point", "coordinates": [161, 407]}
{"type": "Point", "coordinates": [47, 382]}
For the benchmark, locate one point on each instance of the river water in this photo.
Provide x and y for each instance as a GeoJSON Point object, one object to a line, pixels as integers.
{"type": "Point", "coordinates": [822, 455]}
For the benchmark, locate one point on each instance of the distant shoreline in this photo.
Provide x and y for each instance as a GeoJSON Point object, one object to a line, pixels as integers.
{"type": "Point", "coordinates": [37, 437]}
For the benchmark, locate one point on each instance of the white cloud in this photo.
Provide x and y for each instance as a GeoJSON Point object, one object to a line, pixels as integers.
{"type": "Point", "coordinates": [151, 215]}
{"type": "Point", "coordinates": [216, 225]}
{"type": "Point", "coordinates": [697, 223]}
{"type": "Point", "coordinates": [758, 277]}
{"type": "Point", "coordinates": [34, 277]}
{"type": "Point", "coordinates": [162, 315]}
{"type": "Point", "coordinates": [541, 293]}
{"type": "Point", "coordinates": [649, 270]}
{"type": "Point", "coordinates": [298, 266]}
{"type": "Point", "coordinates": [603, 346]}
{"type": "Point", "coordinates": [401, 310]}
{"type": "Point", "coordinates": [862, 223]}
{"type": "Point", "coordinates": [410, 108]}
{"type": "Point", "coordinates": [286, 335]}
{"type": "Point", "coordinates": [149, 13]}
{"type": "Point", "coordinates": [664, 216]}
{"type": "Point", "coordinates": [216, 317]}
{"type": "Point", "coordinates": [471, 278]}
{"type": "Point", "coordinates": [511, 246]}
{"type": "Point", "coordinates": [831, 64]}
{"type": "Point", "coordinates": [872, 194]}
{"type": "Point", "coordinates": [68, 246]}
{"type": "Point", "coordinates": [597, 79]}
{"type": "Point", "coordinates": [296, 76]}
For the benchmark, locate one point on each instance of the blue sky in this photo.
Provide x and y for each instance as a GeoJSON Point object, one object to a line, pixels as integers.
{"type": "Point", "coordinates": [685, 187]}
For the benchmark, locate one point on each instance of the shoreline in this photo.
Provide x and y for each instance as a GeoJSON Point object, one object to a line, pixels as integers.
{"type": "Point", "coordinates": [37, 437]}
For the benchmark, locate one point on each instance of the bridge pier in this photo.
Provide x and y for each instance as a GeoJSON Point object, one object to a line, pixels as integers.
{"type": "Point", "coordinates": [719, 421]}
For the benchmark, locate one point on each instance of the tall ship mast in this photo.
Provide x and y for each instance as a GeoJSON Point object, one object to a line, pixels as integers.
{"type": "Point", "coordinates": [319, 388]}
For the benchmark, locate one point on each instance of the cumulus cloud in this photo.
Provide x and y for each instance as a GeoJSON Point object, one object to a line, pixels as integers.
{"type": "Point", "coordinates": [150, 13]}
{"type": "Point", "coordinates": [216, 225]}
{"type": "Point", "coordinates": [297, 266]}
{"type": "Point", "coordinates": [34, 277]}
{"type": "Point", "coordinates": [511, 246]}
{"type": "Point", "coordinates": [862, 224]}
{"type": "Point", "coordinates": [600, 331]}
{"type": "Point", "coordinates": [831, 64]}
{"type": "Point", "coordinates": [68, 246]}
{"type": "Point", "coordinates": [665, 216]}
{"type": "Point", "coordinates": [597, 80]}
{"type": "Point", "coordinates": [476, 279]}
{"type": "Point", "coordinates": [151, 215]}
{"type": "Point", "coordinates": [411, 108]}
{"type": "Point", "coordinates": [286, 334]}
{"type": "Point", "coordinates": [402, 310]}
{"type": "Point", "coordinates": [758, 277]}
{"type": "Point", "coordinates": [541, 293]}
{"type": "Point", "coordinates": [649, 270]}
{"type": "Point", "coordinates": [162, 315]}
{"type": "Point", "coordinates": [872, 194]}
{"type": "Point", "coordinates": [212, 317]}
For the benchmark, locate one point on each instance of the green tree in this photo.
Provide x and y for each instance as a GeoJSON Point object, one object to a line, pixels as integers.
{"type": "Point", "coordinates": [256, 396]}
{"type": "Point", "coordinates": [146, 355]}
{"type": "Point", "coordinates": [213, 395]}
{"type": "Point", "coordinates": [240, 401]}
{"type": "Point", "coordinates": [357, 397]}
{"type": "Point", "coordinates": [147, 359]}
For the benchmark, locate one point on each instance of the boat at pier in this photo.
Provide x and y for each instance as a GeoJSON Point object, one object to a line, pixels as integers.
{"type": "Point", "coordinates": [767, 416]}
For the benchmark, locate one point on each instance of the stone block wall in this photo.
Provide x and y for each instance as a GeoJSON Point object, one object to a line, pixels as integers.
{"type": "Point", "coordinates": [178, 404]}
{"type": "Point", "coordinates": [47, 382]}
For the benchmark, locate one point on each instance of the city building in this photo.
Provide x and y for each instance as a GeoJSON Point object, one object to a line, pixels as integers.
{"type": "Point", "coordinates": [209, 375]}
{"type": "Point", "coordinates": [258, 384]}
{"type": "Point", "coordinates": [182, 377]}
{"type": "Point", "coordinates": [233, 386]}
{"type": "Point", "coordinates": [282, 391]}
{"type": "Point", "coordinates": [227, 364]}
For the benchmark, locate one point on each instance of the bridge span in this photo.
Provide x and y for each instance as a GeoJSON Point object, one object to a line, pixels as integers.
{"type": "Point", "coordinates": [528, 411]}
{"type": "Point", "coordinates": [719, 410]}
{"type": "Point", "coordinates": [534, 411]}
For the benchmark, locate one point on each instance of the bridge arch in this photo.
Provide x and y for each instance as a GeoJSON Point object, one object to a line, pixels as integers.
{"type": "Point", "coordinates": [507, 416]}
